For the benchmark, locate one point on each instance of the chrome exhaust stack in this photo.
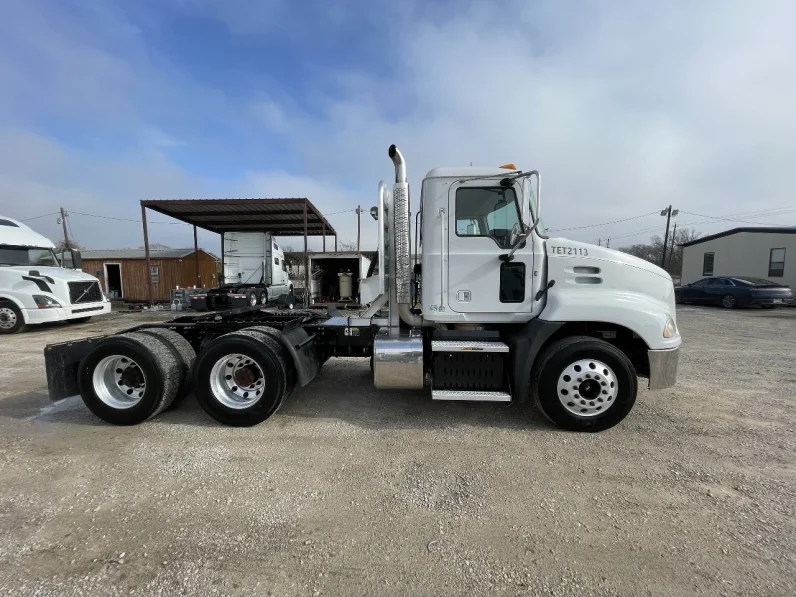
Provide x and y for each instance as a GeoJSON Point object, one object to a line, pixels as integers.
{"type": "Point", "coordinates": [402, 269]}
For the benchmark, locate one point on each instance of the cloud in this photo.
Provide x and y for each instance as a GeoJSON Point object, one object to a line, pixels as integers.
{"type": "Point", "coordinates": [624, 108]}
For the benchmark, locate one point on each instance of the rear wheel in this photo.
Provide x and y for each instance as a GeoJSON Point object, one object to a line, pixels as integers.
{"type": "Point", "coordinates": [129, 378]}
{"type": "Point", "coordinates": [183, 352]}
{"type": "Point", "coordinates": [11, 318]}
{"type": "Point", "coordinates": [262, 297]}
{"type": "Point", "coordinates": [728, 301]}
{"type": "Point", "coordinates": [251, 298]}
{"type": "Point", "coordinates": [584, 384]}
{"type": "Point", "coordinates": [240, 379]}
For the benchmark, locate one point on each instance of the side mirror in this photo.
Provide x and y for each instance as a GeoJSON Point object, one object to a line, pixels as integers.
{"type": "Point", "coordinates": [77, 259]}
{"type": "Point", "coordinates": [519, 239]}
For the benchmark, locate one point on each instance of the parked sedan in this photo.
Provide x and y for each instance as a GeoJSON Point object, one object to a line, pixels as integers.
{"type": "Point", "coordinates": [734, 292]}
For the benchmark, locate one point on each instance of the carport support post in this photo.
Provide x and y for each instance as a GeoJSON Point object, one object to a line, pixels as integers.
{"type": "Point", "coordinates": [146, 253]}
{"type": "Point", "coordinates": [196, 255]}
{"type": "Point", "coordinates": [335, 243]}
{"type": "Point", "coordinates": [306, 262]}
{"type": "Point", "coordinates": [324, 238]}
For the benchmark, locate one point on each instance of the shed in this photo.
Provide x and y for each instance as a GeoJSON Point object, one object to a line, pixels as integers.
{"type": "Point", "coordinates": [756, 252]}
{"type": "Point", "coordinates": [123, 272]}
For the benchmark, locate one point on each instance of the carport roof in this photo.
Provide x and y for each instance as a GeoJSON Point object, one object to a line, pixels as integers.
{"type": "Point", "coordinates": [281, 217]}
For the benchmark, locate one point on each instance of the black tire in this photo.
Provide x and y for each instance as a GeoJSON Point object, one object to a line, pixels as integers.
{"type": "Point", "coordinates": [11, 319]}
{"type": "Point", "coordinates": [272, 337]}
{"type": "Point", "coordinates": [252, 346]}
{"type": "Point", "coordinates": [251, 298]}
{"type": "Point", "coordinates": [557, 357]}
{"type": "Point", "coordinates": [80, 319]}
{"type": "Point", "coordinates": [262, 297]}
{"type": "Point", "coordinates": [154, 359]}
{"type": "Point", "coordinates": [728, 301]}
{"type": "Point", "coordinates": [183, 352]}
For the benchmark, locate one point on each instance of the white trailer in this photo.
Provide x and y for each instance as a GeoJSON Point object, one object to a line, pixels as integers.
{"type": "Point", "coordinates": [505, 314]}
{"type": "Point", "coordinates": [34, 288]}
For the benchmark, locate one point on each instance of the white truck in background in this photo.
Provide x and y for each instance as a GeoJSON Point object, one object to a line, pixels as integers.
{"type": "Point", "coordinates": [255, 273]}
{"type": "Point", "coordinates": [35, 288]}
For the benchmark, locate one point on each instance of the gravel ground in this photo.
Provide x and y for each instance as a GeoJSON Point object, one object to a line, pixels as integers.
{"type": "Point", "coordinates": [350, 491]}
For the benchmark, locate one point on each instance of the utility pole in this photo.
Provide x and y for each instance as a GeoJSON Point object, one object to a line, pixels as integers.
{"type": "Point", "coordinates": [668, 212]}
{"type": "Point", "coordinates": [608, 244]}
{"type": "Point", "coordinates": [63, 217]}
{"type": "Point", "coordinates": [359, 226]}
{"type": "Point", "coordinates": [671, 251]}
{"type": "Point", "coordinates": [599, 242]}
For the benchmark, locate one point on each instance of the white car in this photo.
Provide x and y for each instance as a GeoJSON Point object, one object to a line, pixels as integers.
{"type": "Point", "coordinates": [35, 288]}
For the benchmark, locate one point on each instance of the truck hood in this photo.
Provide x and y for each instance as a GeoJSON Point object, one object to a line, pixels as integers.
{"type": "Point", "coordinates": [603, 253]}
{"type": "Point", "coordinates": [56, 273]}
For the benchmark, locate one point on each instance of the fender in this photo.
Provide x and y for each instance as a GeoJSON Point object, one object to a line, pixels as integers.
{"type": "Point", "coordinates": [642, 314]}
{"type": "Point", "coordinates": [11, 299]}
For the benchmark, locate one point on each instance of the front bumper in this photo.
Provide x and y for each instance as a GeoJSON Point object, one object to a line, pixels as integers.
{"type": "Point", "coordinates": [35, 316]}
{"type": "Point", "coordinates": [663, 368]}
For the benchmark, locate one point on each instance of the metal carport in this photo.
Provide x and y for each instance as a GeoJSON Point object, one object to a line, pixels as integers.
{"type": "Point", "coordinates": [280, 217]}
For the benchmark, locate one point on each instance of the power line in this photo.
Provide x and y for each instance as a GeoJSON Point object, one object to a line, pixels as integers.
{"type": "Point", "coordinates": [604, 223]}
{"type": "Point", "coordinates": [55, 213]}
{"type": "Point", "coordinates": [124, 219]}
{"type": "Point", "coordinates": [735, 219]}
{"type": "Point", "coordinates": [345, 211]}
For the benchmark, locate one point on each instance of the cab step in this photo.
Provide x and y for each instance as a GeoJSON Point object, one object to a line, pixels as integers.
{"type": "Point", "coordinates": [470, 395]}
{"type": "Point", "coordinates": [467, 346]}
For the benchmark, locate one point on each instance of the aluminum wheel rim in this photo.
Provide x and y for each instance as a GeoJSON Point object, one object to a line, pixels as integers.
{"type": "Point", "coordinates": [237, 381]}
{"type": "Point", "coordinates": [253, 300]}
{"type": "Point", "coordinates": [119, 382]}
{"type": "Point", "coordinates": [8, 319]}
{"type": "Point", "coordinates": [728, 301]}
{"type": "Point", "coordinates": [264, 299]}
{"type": "Point", "coordinates": [587, 388]}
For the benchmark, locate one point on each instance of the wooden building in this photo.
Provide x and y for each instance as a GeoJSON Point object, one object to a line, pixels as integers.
{"type": "Point", "coordinates": [123, 272]}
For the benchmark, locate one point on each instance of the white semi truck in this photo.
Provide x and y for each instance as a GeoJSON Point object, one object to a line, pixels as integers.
{"type": "Point", "coordinates": [506, 314]}
{"type": "Point", "coordinates": [35, 288]}
{"type": "Point", "coordinates": [255, 273]}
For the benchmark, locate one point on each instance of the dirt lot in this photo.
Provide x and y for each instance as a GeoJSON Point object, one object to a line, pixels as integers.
{"type": "Point", "coordinates": [349, 491]}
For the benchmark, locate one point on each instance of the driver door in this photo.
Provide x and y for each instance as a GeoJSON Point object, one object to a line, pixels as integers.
{"type": "Point", "coordinates": [481, 217]}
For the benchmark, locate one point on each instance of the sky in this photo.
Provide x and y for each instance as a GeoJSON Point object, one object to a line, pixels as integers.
{"type": "Point", "coordinates": [625, 107]}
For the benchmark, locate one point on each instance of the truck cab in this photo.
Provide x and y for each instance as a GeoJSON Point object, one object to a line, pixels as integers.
{"type": "Point", "coordinates": [35, 288]}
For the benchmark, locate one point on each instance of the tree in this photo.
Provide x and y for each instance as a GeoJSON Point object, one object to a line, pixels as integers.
{"type": "Point", "coordinates": [653, 251]}
{"type": "Point", "coordinates": [65, 246]}
{"type": "Point", "coordinates": [346, 245]}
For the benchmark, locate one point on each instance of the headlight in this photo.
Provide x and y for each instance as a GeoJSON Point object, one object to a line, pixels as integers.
{"type": "Point", "coordinates": [669, 330]}
{"type": "Point", "coordinates": [45, 302]}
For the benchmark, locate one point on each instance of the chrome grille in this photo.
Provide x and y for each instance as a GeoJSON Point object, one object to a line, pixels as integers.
{"type": "Point", "coordinates": [84, 292]}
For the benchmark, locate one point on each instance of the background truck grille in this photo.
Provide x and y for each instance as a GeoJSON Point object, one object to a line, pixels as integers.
{"type": "Point", "coordinates": [91, 290]}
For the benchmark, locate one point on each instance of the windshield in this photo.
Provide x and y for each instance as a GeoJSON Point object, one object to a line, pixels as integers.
{"type": "Point", "coordinates": [41, 256]}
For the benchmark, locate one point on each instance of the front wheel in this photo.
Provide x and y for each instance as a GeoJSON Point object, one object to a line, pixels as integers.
{"type": "Point", "coordinates": [584, 384]}
{"type": "Point", "coordinates": [262, 297]}
{"type": "Point", "coordinates": [11, 319]}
